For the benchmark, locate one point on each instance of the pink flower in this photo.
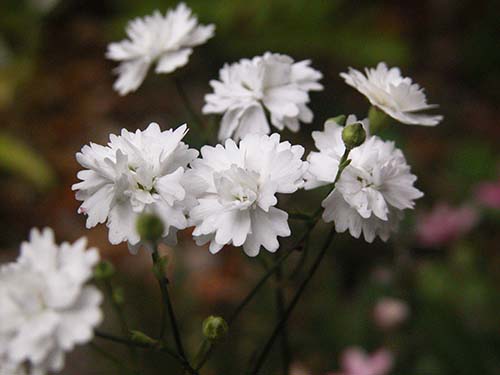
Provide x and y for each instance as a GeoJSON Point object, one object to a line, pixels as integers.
{"type": "Point", "coordinates": [390, 313]}
{"type": "Point", "coordinates": [488, 194]}
{"type": "Point", "coordinates": [445, 224]}
{"type": "Point", "coordinates": [356, 361]}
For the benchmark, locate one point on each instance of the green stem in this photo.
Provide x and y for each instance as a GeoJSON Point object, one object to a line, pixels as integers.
{"type": "Point", "coordinates": [203, 354]}
{"type": "Point", "coordinates": [163, 283]}
{"type": "Point", "coordinates": [282, 323]}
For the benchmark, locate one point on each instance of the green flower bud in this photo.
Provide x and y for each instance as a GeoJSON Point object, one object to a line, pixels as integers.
{"type": "Point", "coordinates": [118, 295]}
{"type": "Point", "coordinates": [353, 135]}
{"type": "Point", "coordinates": [104, 270]}
{"type": "Point", "coordinates": [339, 120]}
{"type": "Point", "coordinates": [215, 328]}
{"type": "Point", "coordinates": [150, 227]}
{"type": "Point", "coordinates": [141, 338]}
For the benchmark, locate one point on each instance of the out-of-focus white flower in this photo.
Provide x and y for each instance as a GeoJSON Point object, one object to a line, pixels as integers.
{"type": "Point", "coordinates": [394, 94]}
{"type": "Point", "coordinates": [248, 88]}
{"type": "Point", "coordinates": [238, 206]}
{"type": "Point", "coordinates": [136, 173]}
{"type": "Point", "coordinates": [373, 190]}
{"type": "Point", "coordinates": [166, 40]}
{"type": "Point", "coordinates": [390, 312]}
{"type": "Point", "coordinates": [46, 307]}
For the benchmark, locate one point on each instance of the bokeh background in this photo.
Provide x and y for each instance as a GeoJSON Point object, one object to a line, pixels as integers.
{"type": "Point", "coordinates": [56, 95]}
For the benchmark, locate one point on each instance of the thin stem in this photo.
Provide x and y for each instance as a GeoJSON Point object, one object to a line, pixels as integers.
{"type": "Point", "coordinates": [302, 261]}
{"type": "Point", "coordinates": [116, 306]}
{"type": "Point", "coordinates": [257, 287]}
{"type": "Point", "coordinates": [163, 283]}
{"type": "Point", "coordinates": [161, 347]}
{"type": "Point", "coordinates": [203, 354]}
{"type": "Point", "coordinates": [279, 327]}
{"type": "Point", "coordinates": [342, 164]}
{"type": "Point", "coordinates": [310, 225]}
{"type": "Point", "coordinates": [280, 307]}
{"type": "Point", "coordinates": [187, 104]}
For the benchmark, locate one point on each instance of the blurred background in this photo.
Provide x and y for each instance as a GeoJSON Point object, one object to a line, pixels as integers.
{"type": "Point", "coordinates": [431, 295]}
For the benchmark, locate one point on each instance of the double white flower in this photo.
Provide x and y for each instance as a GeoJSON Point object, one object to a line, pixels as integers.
{"type": "Point", "coordinates": [46, 307]}
{"type": "Point", "coordinates": [272, 82]}
{"type": "Point", "coordinates": [166, 40]}
{"type": "Point", "coordinates": [136, 173]}
{"type": "Point", "coordinates": [372, 191]}
{"type": "Point", "coordinates": [394, 94]}
{"type": "Point", "coordinates": [238, 206]}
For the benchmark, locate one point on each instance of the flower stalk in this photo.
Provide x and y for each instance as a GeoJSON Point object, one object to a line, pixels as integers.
{"type": "Point", "coordinates": [286, 315]}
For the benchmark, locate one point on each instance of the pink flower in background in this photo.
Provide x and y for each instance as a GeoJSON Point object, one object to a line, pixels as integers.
{"type": "Point", "coordinates": [390, 312]}
{"type": "Point", "coordinates": [356, 361]}
{"type": "Point", "coordinates": [488, 194]}
{"type": "Point", "coordinates": [444, 224]}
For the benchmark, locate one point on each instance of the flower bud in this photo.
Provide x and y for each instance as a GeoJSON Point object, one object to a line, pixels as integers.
{"type": "Point", "coordinates": [215, 328]}
{"type": "Point", "coordinates": [104, 270]}
{"type": "Point", "coordinates": [141, 338]}
{"type": "Point", "coordinates": [150, 227]}
{"type": "Point", "coordinates": [353, 135]}
{"type": "Point", "coordinates": [118, 296]}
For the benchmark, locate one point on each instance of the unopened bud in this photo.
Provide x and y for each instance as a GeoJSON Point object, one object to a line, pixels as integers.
{"type": "Point", "coordinates": [141, 338]}
{"type": "Point", "coordinates": [215, 328]}
{"type": "Point", "coordinates": [118, 295]}
{"type": "Point", "coordinates": [150, 227]}
{"type": "Point", "coordinates": [353, 135]}
{"type": "Point", "coordinates": [104, 270]}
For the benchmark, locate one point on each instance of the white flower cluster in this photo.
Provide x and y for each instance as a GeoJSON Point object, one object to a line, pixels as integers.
{"type": "Point", "coordinates": [46, 308]}
{"type": "Point", "coordinates": [394, 94]}
{"type": "Point", "coordinates": [271, 82]}
{"type": "Point", "coordinates": [373, 189]}
{"type": "Point", "coordinates": [238, 205]}
{"type": "Point", "coordinates": [166, 40]}
{"type": "Point", "coordinates": [228, 195]}
{"type": "Point", "coordinates": [136, 173]}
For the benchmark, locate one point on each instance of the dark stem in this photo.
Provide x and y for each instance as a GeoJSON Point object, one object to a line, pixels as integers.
{"type": "Point", "coordinates": [116, 307]}
{"type": "Point", "coordinates": [257, 287]}
{"type": "Point", "coordinates": [163, 283]}
{"type": "Point", "coordinates": [280, 306]}
{"type": "Point", "coordinates": [187, 104]}
{"type": "Point", "coordinates": [272, 270]}
{"type": "Point", "coordinates": [279, 327]}
{"type": "Point", "coordinates": [161, 347]}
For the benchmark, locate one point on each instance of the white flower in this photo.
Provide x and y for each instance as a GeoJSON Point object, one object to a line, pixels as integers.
{"type": "Point", "coordinates": [46, 307]}
{"type": "Point", "coordinates": [397, 96]}
{"type": "Point", "coordinates": [271, 82]}
{"type": "Point", "coordinates": [136, 173]}
{"type": "Point", "coordinates": [238, 206]}
{"type": "Point", "coordinates": [164, 40]}
{"type": "Point", "coordinates": [372, 191]}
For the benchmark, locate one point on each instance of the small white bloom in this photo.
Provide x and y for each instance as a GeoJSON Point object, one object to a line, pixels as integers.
{"type": "Point", "coordinates": [271, 82]}
{"type": "Point", "coordinates": [46, 307]}
{"type": "Point", "coordinates": [394, 94]}
{"type": "Point", "coordinates": [372, 191]}
{"type": "Point", "coordinates": [238, 206]}
{"type": "Point", "coordinates": [166, 40]}
{"type": "Point", "coordinates": [136, 173]}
